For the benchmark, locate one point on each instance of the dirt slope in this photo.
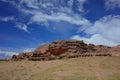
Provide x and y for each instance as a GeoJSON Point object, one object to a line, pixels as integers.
{"type": "Point", "coordinates": [86, 68]}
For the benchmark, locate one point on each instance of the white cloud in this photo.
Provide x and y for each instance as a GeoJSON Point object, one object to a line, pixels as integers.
{"type": "Point", "coordinates": [104, 31]}
{"type": "Point", "coordinates": [111, 4]}
{"type": "Point", "coordinates": [30, 3]}
{"type": "Point", "coordinates": [6, 54]}
{"type": "Point", "coordinates": [22, 27]}
{"type": "Point", "coordinates": [80, 5]}
{"type": "Point", "coordinates": [11, 2]}
{"type": "Point", "coordinates": [57, 17]}
{"type": "Point", "coordinates": [56, 11]}
{"type": "Point", "coordinates": [43, 11]}
{"type": "Point", "coordinates": [48, 4]}
{"type": "Point", "coordinates": [6, 19]}
{"type": "Point", "coordinates": [108, 27]}
{"type": "Point", "coordinates": [70, 3]}
{"type": "Point", "coordinates": [28, 49]}
{"type": "Point", "coordinates": [53, 10]}
{"type": "Point", "coordinates": [95, 39]}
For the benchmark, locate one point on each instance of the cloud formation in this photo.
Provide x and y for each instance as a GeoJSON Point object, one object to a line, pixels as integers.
{"type": "Point", "coordinates": [104, 31]}
{"type": "Point", "coordinates": [6, 19]}
{"type": "Point", "coordinates": [111, 4]}
{"type": "Point", "coordinates": [95, 39]}
{"type": "Point", "coordinates": [22, 27]}
{"type": "Point", "coordinates": [6, 54]}
{"type": "Point", "coordinates": [57, 17]}
{"type": "Point", "coordinates": [55, 10]}
{"type": "Point", "coordinates": [28, 49]}
{"type": "Point", "coordinates": [43, 11]}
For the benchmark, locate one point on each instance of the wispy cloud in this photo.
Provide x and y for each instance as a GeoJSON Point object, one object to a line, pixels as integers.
{"type": "Point", "coordinates": [43, 11]}
{"type": "Point", "coordinates": [70, 3]}
{"type": "Point", "coordinates": [22, 27]}
{"type": "Point", "coordinates": [28, 49]}
{"type": "Point", "coordinates": [105, 29]}
{"type": "Point", "coordinates": [19, 25]}
{"type": "Point", "coordinates": [53, 10]}
{"type": "Point", "coordinates": [6, 19]}
{"type": "Point", "coordinates": [80, 4]}
{"type": "Point", "coordinates": [57, 17]}
{"type": "Point", "coordinates": [30, 3]}
{"type": "Point", "coordinates": [111, 4]}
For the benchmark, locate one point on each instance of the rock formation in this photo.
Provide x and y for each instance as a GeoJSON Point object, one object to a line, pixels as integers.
{"type": "Point", "coordinates": [115, 51]}
{"type": "Point", "coordinates": [22, 56]}
{"type": "Point", "coordinates": [65, 49]}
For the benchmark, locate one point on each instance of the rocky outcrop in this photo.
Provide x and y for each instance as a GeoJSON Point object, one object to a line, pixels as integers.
{"type": "Point", "coordinates": [42, 48]}
{"type": "Point", "coordinates": [22, 56]}
{"type": "Point", "coordinates": [65, 49]}
{"type": "Point", "coordinates": [115, 51]}
{"type": "Point", "coordinates": [66, 46]}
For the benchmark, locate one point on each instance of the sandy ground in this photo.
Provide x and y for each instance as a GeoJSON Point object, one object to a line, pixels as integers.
{"type": "Point", "coordinates": [85, 68]}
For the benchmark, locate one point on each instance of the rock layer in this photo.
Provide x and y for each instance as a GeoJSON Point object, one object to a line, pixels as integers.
{"type": "Point", "coordinates": [65, 49]}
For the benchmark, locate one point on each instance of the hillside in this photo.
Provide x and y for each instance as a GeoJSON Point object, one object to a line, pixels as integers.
{"type": "Point", "coordinates": [51, 62]}
{"type": "Point", "coordinates": [85, 68]}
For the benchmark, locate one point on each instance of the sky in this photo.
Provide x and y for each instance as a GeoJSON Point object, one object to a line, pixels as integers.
{"type": "Point", "coordinates": [26, 24]}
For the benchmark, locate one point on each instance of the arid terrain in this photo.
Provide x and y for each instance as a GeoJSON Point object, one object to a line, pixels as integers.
{"type": "Point", "coordinates": [64, 60]}
{"type": "Point", "coordinates": [81, 68]}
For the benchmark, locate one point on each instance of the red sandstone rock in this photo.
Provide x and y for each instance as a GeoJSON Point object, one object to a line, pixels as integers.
{"type": "Point", "coordinates": [67, 48]}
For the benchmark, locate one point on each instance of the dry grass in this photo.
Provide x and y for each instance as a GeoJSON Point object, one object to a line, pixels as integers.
{"type": "Point", "coordinates": [86, 68]}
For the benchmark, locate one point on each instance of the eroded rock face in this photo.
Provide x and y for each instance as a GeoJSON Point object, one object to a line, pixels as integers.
{"type": "Point", "coordinates": [115, 51]}
{"type": "Point", "coordinates": [66, 49]}
{"type": "Point", "coordinates": [22, 56]}
{"type": "Point", "coordinates": [67, 46]}
{"type": "Point", "coordinates": [62, 48]}
{"type": "Point", "coordinates": [42, 48]}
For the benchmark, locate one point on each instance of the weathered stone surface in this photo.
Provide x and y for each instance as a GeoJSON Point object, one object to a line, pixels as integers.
{"type": "Point", "coordinates": [22, 56]}
{"type": "Point", "coordinates": [42, 48]}
{"type": "Point", "coordinates": [67, 49]}
{"type": "Point", "coordinates": [115, 51]}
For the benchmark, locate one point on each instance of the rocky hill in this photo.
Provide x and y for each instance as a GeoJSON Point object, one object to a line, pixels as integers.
{"type": "Point", "coordinates": [67, 49]}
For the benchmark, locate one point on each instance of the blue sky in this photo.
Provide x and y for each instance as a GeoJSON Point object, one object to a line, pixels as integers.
{"type": "Point", "coordinates": [26, 24]}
